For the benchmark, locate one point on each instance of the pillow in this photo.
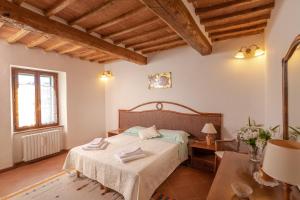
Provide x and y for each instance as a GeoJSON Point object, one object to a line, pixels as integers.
{"type": "Point", "coordinates": [149, 133]}
{"type": "Point", "coordinates": [174, 136]}
{"type": "Point", "coordinates": [134, 131]}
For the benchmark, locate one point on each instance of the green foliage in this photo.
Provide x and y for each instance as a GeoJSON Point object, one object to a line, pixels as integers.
{"type": "Point", "coordinates": [264, 134]}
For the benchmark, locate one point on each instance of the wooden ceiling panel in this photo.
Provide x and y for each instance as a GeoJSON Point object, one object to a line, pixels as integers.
{"type": "Point", "coordinates": [28, 38]}
{"type": "Point", "coordinates": [264, 10]}
{"type": "Point", "coordinates": [152, 42]}
{"type": "Point", "coordinates": [48, 43]}
{"type": "Point", "coordinates": [6, 31]}
{"type": "Point", "coordinates": [38, 40]}
{"type": "Point", "coordinates": [132, 28]}
{"type": "Point", "coordinates": [146, 36]}
{"type": "Point", "coordinates": [154, 27]}
{"type": "Point", "coordinates": [158, 42]}
{"type": "Point", "coordinates": [78, 8]}
{"type": "Point", "coordinates": [224, 19]}
{"type": "Point", "coordinates": [113, 9]}
{"type": "Point", "coordinates": [122, 22]}
{"type": "Point", "coordinates": [164, 47]}
{"type": "Point", "coordinates": [237, 35]}
{"type": "Point", "coordinates": [42, 4]}
{"type": "Point", "coordinates": [134, 23]}
{"type": "Point", "coordinates": [238, 24]}
{"type": "Point", "coordinates": [228, 8]}
{"type": "Point", "coordinates": [208, 3]}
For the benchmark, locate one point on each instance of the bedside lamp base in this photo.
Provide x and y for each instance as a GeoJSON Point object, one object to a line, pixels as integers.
{"type": "Point", "coordinates": [210, 139]}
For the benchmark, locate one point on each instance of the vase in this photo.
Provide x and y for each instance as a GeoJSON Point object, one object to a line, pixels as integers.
{"type": "Point", "coordinates": [254, 154]}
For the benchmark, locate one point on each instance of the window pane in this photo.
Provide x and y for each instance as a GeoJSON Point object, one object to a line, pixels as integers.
{"type": "Point", "coordinates": [48, 100]}
{"type": "Point", "coordinates": [26, 100]}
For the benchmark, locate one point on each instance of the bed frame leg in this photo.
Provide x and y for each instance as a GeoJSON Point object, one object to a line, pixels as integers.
{"type": "Point", "coordinates": [101, 187]}
{"type": "Point", "coordinates": [77, 174]}
{"type": "Point", "coordinates": [106, 190]}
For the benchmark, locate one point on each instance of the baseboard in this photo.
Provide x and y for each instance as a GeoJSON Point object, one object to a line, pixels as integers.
{"type": "Point", "coordinates": [20, 164]}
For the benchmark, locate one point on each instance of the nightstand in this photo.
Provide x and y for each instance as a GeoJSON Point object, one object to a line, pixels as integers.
{"type": "Point", "coordinates": [202, 155]}
{"type": "Point", "coordinates": [114, 132]}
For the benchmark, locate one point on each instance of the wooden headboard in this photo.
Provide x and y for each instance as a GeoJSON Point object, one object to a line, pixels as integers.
{"type": "Point", "coordinates": [191, 122]}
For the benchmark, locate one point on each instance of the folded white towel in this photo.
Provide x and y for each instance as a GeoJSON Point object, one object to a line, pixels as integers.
{"type": "Point", "coordinates": [130, 158]}
{"type": "Point", "coordinates": [102, 146]}
{"type": "Point", "coordinates": [97, 141]}
{"type": "Point", "coordinates": [130, 152]}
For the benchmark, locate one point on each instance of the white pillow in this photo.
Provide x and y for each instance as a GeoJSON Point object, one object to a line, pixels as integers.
{"type": "Point", "coordinates": [149, 133]}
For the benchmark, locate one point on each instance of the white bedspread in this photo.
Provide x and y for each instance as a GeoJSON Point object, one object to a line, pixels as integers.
{"type": "Point", "coordinates": [136, 180]}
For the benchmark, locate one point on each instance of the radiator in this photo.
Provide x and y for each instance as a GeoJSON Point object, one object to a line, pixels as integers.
{"type": "Point", "coordinates": [41, 144]}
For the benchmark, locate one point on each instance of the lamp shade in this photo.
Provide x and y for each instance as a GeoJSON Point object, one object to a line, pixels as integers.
{"type": "Point", "coordinates": [209, 129]}
{"type": "Point", "coordinates": [282, 161]}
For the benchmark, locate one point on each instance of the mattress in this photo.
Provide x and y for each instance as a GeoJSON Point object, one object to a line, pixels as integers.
{"type": "Point", "coordinates": [135, 180]}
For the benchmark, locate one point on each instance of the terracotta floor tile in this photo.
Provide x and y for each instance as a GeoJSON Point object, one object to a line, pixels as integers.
{"type": "Point", "coordinates": [184, 183]}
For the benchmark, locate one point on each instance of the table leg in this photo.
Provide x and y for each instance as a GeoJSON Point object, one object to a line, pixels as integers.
{"type": "Point", "coordinates": [78, 174]}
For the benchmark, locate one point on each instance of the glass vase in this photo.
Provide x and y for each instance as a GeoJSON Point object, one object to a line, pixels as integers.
{"type": "Point", "coordinates": [254, 153]}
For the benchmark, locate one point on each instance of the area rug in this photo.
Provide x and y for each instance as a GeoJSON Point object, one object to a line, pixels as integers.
{"type": "Point", "coordinates": [65, 186]}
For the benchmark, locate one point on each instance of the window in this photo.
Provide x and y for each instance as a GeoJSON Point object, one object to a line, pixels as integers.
{"type": "Point", "coordinates": [35, 99]}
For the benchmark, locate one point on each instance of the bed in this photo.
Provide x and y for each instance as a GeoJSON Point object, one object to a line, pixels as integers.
{"type": "Point", "coordinates": [137, 180]}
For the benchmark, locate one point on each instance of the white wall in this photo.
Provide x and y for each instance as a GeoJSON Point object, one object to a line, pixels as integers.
{"type": "Point", "coordinates": [214, 83]}
{"type": "Point", "coordinates": [85, 95]}
{"type": "Point", "coordinates": [283, 27]}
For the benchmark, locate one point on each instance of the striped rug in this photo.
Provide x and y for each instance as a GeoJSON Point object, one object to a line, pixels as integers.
{"type": "Point", "coordinates": [66, 186]}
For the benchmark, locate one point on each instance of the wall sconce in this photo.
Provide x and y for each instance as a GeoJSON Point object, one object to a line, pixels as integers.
{"type": "Point", "coordinates": [104, 76]}
{"type": "Point", "coordinates": [249, 52]}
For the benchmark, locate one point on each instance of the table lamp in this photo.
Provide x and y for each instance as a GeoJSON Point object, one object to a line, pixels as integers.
{"type": "Point", "coordinates": [210, 130]}
{"type": "Point", "coordinates": [282, 162]}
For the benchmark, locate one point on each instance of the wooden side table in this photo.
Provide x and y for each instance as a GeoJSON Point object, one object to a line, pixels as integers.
{"type": "Point", "coordinates": [236, 167]}
{"type": "Point", "coordinates": [114, 132]}
{"type": "Point", "coordinates": [202, 155]}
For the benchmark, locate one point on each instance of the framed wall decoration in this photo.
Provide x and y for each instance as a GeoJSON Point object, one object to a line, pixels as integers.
{"type": "Point", "coordinates": [160, 80]}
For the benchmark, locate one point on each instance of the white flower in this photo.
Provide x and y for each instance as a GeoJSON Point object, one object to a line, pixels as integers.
{"type": "Point", "coordinates": [261, 143]}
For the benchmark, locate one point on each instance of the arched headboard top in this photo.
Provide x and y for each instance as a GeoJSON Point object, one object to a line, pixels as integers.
{"type": "Point", "coordinates": [191, 122]}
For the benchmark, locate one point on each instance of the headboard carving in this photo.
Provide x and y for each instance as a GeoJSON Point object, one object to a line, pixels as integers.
{"type": "Point", "coordinates": [168, 119]}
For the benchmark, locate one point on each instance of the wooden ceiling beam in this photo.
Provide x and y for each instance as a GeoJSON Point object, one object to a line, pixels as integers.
{"type": "Point", "coordinates": [177, 16]}
{"type": "Point", "coordinates": [107, 4]}
{"type": "Point", "coordinates": [18, 2]}
{"type": "Point", "coordinates": [38, 41]}
{"type": "Point", "coordinates": [59, 6]}
{"type": "Point", "coordinates": [144, 35]}
{"type": "Point", "coordinates": [42, 23]}
{"type": "Point", "coordinates": [166, 47]}
{"type": "Point", "coordinates": [118, 19]}
{"type": "Point", "coordinates": [1, 24]}
{"type": "Point", "coordinates": [17, 36]}
{"type": "Point", "coordinates": [154, 41]}
{"type": "Point", "coordinates": [134, 28]}
{"type": "Point", "coordinates": [230, 7]}
{"type": "Point", "coordinates": [238, 24]}
{"type": "Point", "coordinates": [70, 49]}
{"type": "Point", "coordinates": [237, 34]}
{"type": "Point", "coordinates": [208, 3]}
{"type": "Point", "coordinates": [258, 26]}
{"type": "Point", "coordinates": [56, 45]}
{"type": "Point", "coordinates": [236, 16]}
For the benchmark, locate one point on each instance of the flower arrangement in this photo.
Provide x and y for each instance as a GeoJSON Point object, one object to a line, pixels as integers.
{"type": "Point", "coordinates": [255, 136]}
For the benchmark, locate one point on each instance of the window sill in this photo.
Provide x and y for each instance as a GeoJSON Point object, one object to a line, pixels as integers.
{"type": "Point", "coordinates": [37, 129]}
